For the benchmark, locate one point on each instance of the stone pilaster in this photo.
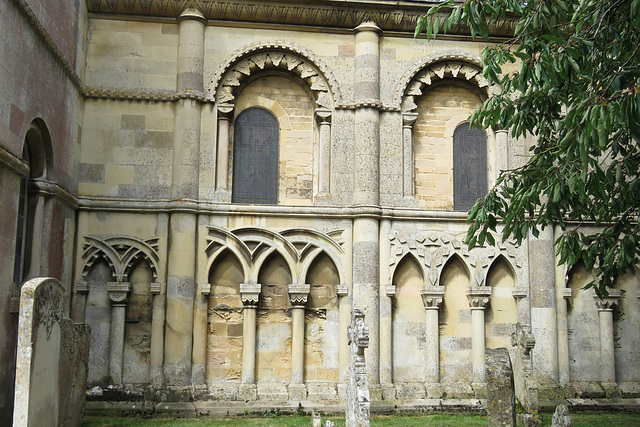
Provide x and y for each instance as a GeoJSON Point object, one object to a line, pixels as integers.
{"type": "Point", "coordinates": [408, 120]}
{"type": "Point", "coordinates": [250, 295]}
{"type": "Point", "coordinates": [298, 294]}
{"type": "Point", "coordinates": [118, 293]}
{"type": "Point", "coordinates": [432, 298]}
{"type": "Point", "coordinates": [323, 116]}
{"type": "Point", "coordinates": [607, 356]}
{"type": "Point", "coordinates": [478, 299]}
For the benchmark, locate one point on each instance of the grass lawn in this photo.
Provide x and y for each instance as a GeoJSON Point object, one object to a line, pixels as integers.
{"type": "Point", "coordinates": [580, 419]}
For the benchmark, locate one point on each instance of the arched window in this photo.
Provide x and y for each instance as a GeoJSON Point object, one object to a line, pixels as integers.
{"type": "Point", "coordinates": [255, 157]}
{"type": "Point", "coordinates": [469, 166]}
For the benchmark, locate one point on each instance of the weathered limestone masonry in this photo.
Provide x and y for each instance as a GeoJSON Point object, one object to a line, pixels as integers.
{"type": "Point", "coordinates": [218, 184]}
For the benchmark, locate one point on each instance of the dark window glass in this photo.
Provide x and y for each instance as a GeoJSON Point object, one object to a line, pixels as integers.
{"type": "Point", "coordinates": [255, 157]}
{"type": "Point", "coordinates": [469, 166]}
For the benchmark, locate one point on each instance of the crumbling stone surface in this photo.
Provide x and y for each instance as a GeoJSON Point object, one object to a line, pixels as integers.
{"type": "Point", "coordinates": [501, 403]}
{"type": "Point", "coordinates": [561, 417]}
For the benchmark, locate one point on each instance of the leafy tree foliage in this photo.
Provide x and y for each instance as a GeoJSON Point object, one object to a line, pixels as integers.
{"type": "Point", "coordinates": [577, 91]}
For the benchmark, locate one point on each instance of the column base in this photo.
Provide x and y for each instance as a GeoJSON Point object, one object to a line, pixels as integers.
{"type": "Point", "coordinates": [434, 390]}
{"type": "Point", "coordinates": [375, 392]}
{"type": "Point", "coordinates": [248, 392]}
{"type": "Point", "coordinates": [297, 392]}
{"type": "Point", "coordinates": [388, 392]}
{"type": "Point", "coordinates": [480, 390]}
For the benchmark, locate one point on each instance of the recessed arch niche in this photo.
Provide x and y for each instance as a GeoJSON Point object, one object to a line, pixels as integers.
{"type": "Point", "coordinates": [501, 315]}
{"type": "Point", "coordinates": [408, 322]}
{"type": "Point", "coordinates": [322, 321]}
{"type": "Point", "coordinates": [455, 323]}
{"type": "Point", "coordinates": [98, 317]}
{"type": "Point", "coordinates": [627, 328]}
{"type": "Point", "coordinates": [224, 319]}
{"type": "Point", "coordinates": [273, 349]}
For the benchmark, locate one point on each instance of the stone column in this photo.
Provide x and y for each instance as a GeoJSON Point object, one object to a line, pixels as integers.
{"type": "Point", "coordinates": [298, 295]}
{"type": "Point", "coordinates": [478, 299]}
{"type": "Point", "coordinates": [366, 286]}
{"type": "Point", "coordinates": [182, 226]}
{"type": "Point", "coordinates": [118, 292]}
{"type": "Point", "coordinates": [502, 151]}
{"type": "Point", "coordinates": [34, 245]}
{"type": "Point", "coordinates": [542, 284]}
{"type": "Point", "coordinates": [157, 333]}
{"type": "Point", "coordinates": [408, 119]}
{"type": "Point", "coordinates": [323, 116]}
{"type": "Point", "coordinates": [386, 314]}
{"type": "Point", "coordinates": [250, 295]}
{"type": "Point", "coordinates": [607, 355]}
{"type": "Point", "coordinates": [432, 298]}
{"type": "Point", "coordinates": [225, 113]}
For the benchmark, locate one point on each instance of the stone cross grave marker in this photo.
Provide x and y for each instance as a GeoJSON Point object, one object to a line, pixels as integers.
{"type": "Point", "coordinates": [501, 401]}
{"type": "Point", "coordinates": [358, 403]}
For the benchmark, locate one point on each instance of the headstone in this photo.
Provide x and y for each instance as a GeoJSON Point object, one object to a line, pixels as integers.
{"type": "Point", "coordinates": [330, 423]}
{"type": "Point", "coordinates": [561, 417]}
{"type": "Point", "coordinates": [358, 403]}
{"type": "Point", "coordinates": [526, 386]}
{"type": "Point", "coordinates": [501, 402]}
{"type": "Point", "coordinates": [51, 364]}
{"type": "Point", "coordinates": [317, 422]}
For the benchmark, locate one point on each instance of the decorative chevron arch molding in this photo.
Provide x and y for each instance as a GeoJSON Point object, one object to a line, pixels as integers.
{"type": "Point", "coordinates": [434, 249]}
{"type": "Point", "coordinates": [121, 253]}
{"type": "Point", "coordinates": [274, 55]}
{"type": "Point", "coordinates": [449, 64]}
{"type": "Point", "coordinates": [252, 245]}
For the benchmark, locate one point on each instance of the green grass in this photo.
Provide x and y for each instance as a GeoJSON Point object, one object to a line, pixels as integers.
{"type": "Point", "coordinates": [580, 419]}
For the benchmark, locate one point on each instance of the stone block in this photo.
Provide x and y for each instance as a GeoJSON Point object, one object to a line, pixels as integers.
{"type": "Point", "coordinates": [501, 401]}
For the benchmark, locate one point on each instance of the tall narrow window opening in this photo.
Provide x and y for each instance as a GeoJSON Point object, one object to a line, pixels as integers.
{"type": "Point", "coordinates": [469, 166]}
{"type": "Point", "coordinates": [255, 157]}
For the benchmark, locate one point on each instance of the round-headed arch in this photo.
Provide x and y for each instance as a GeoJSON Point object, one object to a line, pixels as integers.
{"type": "Point", "coordinates": [256, 58]}
{"type": "Point", "coordinates": [450, 65]}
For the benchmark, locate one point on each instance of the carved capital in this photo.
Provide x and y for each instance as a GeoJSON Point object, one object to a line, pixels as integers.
{"type": "Point", "coordinates": [607, 303]}
{"type": "Point", "coordinates": [432, 296]}
{"type": "Point", "coordinates": [390, 291]}
{"type": "Point", "coordinates": [250, 294]}
{"type": "Point", "coordinates": [323, 116]}
{"type": "Point", "coordinates": [478, 296]}
{"type": "Point", "coordinates": [225, 111]}
{"type": "Point", "coordinates": [204, 288]}
{"type": "Point", "coordinates": [192, 13]}
{"type": "Point", "coordinates": [298, 294]}
{"type": "Point", "coordinates": [520, 292]}
{"type": "Point", "coordinates": [408, 119]}
{"type": "Point", "coordinates": [118, 292]}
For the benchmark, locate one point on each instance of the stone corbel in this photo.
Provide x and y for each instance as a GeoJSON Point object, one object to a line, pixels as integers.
{"type": "Point", "coordinates": [204, 288]}
{"type": "Point", "coordinates": [519, 293]}
{"type": "Point", "coordinates": [250, 294]}
{"type": "Point", "coordinates": [82, 287]}
{"type": "Point", "coordinates": [607, 303]}
{"type": "Point", "coordinates": [478, 296]}
{"type": "Point", "coordinates": [390, 291]}
{"type": "Point", "coordinates": [567, 293]}
{"type": "Point", "coordinates": [156, 288]}
{"type": "Point", "coordinates": [298, 294]}
{"type": "Point", "coordinates": [432, 296]}
{"type": "Point", "coordinates": [118, 292]}
{"type": "Point", "coordinates": [342, 290]}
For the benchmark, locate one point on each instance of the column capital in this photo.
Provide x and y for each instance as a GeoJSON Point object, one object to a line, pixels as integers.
{"type": "Point", "coordinates": [607, 303]}
{"type": "Point", "coordinates": [118, 292]}
{"type": "Point", "coordinates": [298, 294]}
{"type": "Point", "coordinates": [82, 286]}
{"type": "Point", "coordinates": [432, 296]}
{"type": "Point", "coordinates": [323, 116]}
{"type": "Point", "coordinates": [250, 294]}
{"type": "Point", "coordinates": [368, 26]}
{"type": "Point", "coordinates": [225, 111]}
{"type": "Point", "coordinates": [478, 297]}
{"type": "Point", "coordinates": [191, 13]}
{"type": "Point", "coordinates": [408, 119]}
